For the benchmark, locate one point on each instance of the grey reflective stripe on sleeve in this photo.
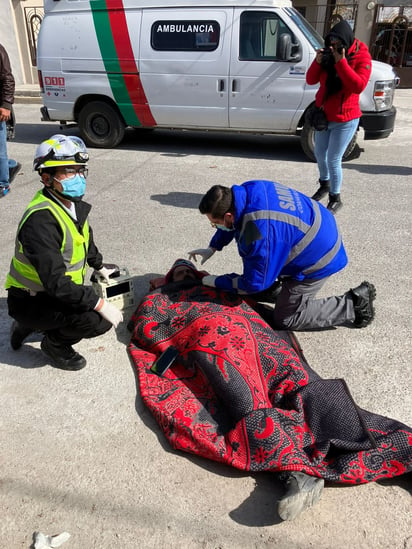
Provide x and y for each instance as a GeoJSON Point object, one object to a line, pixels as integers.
{"type": "Point", "coordinates": [30, 284]}
{"type": "Point", "coordinates": [310, 235]}
{"type": "Point", "coordinates": [276, 216]}
{"type": "Point", "coordinates": [327, 258]}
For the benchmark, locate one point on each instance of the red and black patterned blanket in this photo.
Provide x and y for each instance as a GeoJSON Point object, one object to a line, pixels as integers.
{"type": "Point", "coordinates": [242, 394]}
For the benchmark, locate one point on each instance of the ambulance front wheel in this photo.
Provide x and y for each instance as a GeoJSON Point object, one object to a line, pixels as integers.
{"type": "Point", "coordinates": [101, 125]}
{"type": "Point", "coordinates": [307, 141]}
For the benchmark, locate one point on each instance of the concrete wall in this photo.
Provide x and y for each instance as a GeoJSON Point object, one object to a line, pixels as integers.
{"type": "Point", "coordinates": [364, 21]}
{"type": "Point", "coordinates": [9, 39]}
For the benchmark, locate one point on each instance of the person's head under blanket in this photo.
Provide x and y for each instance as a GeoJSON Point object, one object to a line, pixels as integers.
{"type": "Point", "coordinates": [182, 270]}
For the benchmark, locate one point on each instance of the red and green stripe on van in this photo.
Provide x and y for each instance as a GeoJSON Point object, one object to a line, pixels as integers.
{"type": "Point", "coordinates": [117, 53]}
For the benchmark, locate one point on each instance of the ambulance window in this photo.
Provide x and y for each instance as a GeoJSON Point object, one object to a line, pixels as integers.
{"type": "Point", "coordinates": [185, 35]}
{"type": "Point", "coordinates": [262, 36]}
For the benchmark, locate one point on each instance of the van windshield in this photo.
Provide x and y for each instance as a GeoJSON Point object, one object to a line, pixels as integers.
{"type": "Point", "coordinates": [311, 34]}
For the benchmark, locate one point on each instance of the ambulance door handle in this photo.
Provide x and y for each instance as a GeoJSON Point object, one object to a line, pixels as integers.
{"type": "Point", "coordinates": [221, 85]}
{"type": "Point", "coordinates": [235, 86]}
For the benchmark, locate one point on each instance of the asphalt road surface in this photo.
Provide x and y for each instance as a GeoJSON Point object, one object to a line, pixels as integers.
{"type": "Point", "coordinates": [80, 453]}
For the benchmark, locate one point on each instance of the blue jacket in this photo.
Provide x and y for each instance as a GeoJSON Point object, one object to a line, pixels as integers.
{"type": "Point", "coordinates": [279, 232]}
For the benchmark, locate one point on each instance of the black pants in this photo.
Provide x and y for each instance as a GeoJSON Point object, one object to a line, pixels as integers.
{"type": "Point", "coordinates": [65, 323]}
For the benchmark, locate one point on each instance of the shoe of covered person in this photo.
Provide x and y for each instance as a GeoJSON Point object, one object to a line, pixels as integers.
{"type": "Point", "coordinates": [322, 191]}
{"type": "Point", "coordinates": [302, 492]}
{"type": "Point", "coordinates": [4, 189]}
{"type": "Point", "coordinates": [335, 203]}
{"type": "Point", "coordinates": [14, 171]}
{"type": "Point", "coordinates": [62, 356]}
{"type": "Point", "coordinates": [363, 297]}
{"type": "Point", "coordinates": [18, 334]}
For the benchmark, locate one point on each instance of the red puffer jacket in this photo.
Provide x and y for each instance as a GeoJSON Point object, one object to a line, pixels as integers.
{"type": "Point", "coordinates": [354, 71]}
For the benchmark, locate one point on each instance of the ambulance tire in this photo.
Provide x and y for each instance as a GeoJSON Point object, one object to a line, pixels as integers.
{"type": "Point", "coordinates": [101, 125]}
{"type": "Point", "coordinates": [307, 141]}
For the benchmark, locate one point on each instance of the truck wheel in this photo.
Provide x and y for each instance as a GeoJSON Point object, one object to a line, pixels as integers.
{"type": "Point", "coordinates": [352, 150]}
{"type": "Point", "coordinates": [307, 141]}
{"type": "Point", "coordinates": [101, 125]}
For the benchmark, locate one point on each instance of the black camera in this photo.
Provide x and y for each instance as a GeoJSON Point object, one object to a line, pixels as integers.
{"type": "Point", "coordinates": [327, 58]}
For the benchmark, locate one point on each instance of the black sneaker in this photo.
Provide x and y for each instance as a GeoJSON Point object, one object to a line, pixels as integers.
{"type": "Point", "coordinates": [18, 334]}
{"type": "Point", "coordinates": [14, 171]}
{"type": "Point", "coordinates": [322, 191]}
{"type": "Point", "coordinates": [302, 491]}
{"type": "Point", "coordinates": [335, 203]}
{"type": "Point", "coordinates": [363, 297]}
{"type": "Point", "coordinates": [62, 356]}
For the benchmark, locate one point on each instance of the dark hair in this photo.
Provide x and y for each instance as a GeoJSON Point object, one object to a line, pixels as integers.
{"type": "Point", "coordinates": [217, 201]}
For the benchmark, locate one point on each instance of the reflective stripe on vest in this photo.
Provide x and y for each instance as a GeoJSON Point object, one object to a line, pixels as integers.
{"type": "Point", "coordinates": [73, 249]}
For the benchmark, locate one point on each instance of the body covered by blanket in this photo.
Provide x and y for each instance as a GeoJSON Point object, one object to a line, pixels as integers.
{"type": "Point", "coordinates": [241, 393]}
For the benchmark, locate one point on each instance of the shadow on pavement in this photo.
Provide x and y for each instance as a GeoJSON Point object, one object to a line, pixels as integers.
{"type": "Point", "coordinates": [260, 507]}
{"type": "Point", "coordinates": [180, 143]}
{"type": "Point", "coordinates": [379, 169]}
{"type": "Point", "coordinates": [179, 199]}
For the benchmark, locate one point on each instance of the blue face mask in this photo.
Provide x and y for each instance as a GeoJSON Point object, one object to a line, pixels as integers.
{"type": "Point", "coordinates": [73, 187]}
{"type": "Point", "coordinates": [223, 227]}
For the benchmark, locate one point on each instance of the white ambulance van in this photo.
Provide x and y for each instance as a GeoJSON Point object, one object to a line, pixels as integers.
{"type": "Point", "coordinates": [232, 65]}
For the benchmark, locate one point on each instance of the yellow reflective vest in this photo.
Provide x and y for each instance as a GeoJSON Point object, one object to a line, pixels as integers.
{"type": "Point", "coordinates": [74, 248]}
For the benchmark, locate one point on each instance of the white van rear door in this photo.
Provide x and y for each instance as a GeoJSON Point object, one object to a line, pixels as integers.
{"type": "Point", "coordinates": [184, 66]}
{"type": "Point", "coordinates": [265, 92]}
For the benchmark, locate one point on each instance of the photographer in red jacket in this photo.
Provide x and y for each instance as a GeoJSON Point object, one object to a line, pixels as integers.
{"type": "Point", "coordinates": [342, 68]}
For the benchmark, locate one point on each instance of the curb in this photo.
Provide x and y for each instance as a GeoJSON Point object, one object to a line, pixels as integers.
{"type": "Point", "coordinates": [27, 94]}
{"type": "Point", "coordinates": [27, 99]}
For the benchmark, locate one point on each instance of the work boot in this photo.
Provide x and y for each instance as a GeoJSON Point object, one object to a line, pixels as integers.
{"type": "Point", "coordinates": [334, 203]}
{"type": "Point", "coordinates": [363, 297]}
{"type": "Point", "coordinates": [14, 171]}
{"type": "Point", "coordinates": [18, 334]}
{"type": "Point", "coordinates": [322, 191]}
{"type": "Point", "coordinates": [62, 356]}
{"type": "Point", "coordinates": [302, 491]}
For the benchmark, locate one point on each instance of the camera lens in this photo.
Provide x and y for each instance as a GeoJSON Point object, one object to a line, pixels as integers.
{"type": "Point", "coordinates": [327, 59]}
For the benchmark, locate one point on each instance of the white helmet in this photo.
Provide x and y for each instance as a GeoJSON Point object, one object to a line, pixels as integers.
{"type": "Point", "coordinates": [60, 150]}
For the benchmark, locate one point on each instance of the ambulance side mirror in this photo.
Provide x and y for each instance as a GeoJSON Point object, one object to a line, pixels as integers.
{"type": "Point", "coordinates": [287, 51]}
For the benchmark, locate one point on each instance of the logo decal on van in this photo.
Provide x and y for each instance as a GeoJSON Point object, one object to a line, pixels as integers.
{"type": "Point", "coordinates": [297, 70]}
{"type": "Point", "coordinates": [117, 53]}
{"type": "Point", "coordinates": [184, 28]}
{"type": "Point", "coordinates": [55, 85]}
{"type": "Point", "coordinates": [175, 35]}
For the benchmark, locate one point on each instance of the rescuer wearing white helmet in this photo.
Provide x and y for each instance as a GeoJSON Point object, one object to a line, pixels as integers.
{"type": "Point", "coordinates": [54, 245]}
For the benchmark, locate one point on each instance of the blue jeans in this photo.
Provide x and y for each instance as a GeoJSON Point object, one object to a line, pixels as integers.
{"type": "Point", "coordinates": [5, 162]}
{"type": "Point", "coordinates": [330, 145]}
